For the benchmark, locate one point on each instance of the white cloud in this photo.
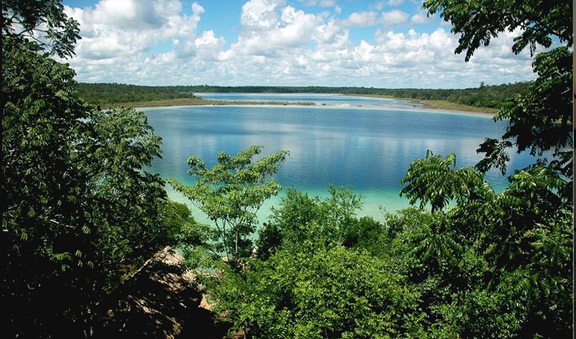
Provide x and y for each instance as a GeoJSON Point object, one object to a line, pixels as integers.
{"type": "Point", "coordinates": [272, 30]}
{"type": "Point", "coordinates": [394, 17]}
{"type": "Point", "coordinates": [197, 9]}
{"type": "Point", "coordinates": [320, 3]}
{"type": "Point", "coordinates": [395, 2]}
{"type": "Point", "coordinates": [259, 14]}
{"type": "Point", "coordinates": [419, 18]}
{"type": "Point", "coordinates": [296, 27]}
{"type": "Point", "coordinates": [156, 43]}
{"type": "Point", "coordinates": [115, 28]}
{"type": "Point", "coordinates": [361, 19]}
{"type": "Point", "coordinates": [378, 6]}
{"type": "Point", "coordinates": [209, 40]}
{"type": "Point", "coordinates": [372, 18]}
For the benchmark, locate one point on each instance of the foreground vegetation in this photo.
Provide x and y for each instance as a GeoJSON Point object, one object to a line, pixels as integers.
{"type": "Point", "coordinates": [81, 215]}
{"type": "Point", "coordinates": [491, 265]}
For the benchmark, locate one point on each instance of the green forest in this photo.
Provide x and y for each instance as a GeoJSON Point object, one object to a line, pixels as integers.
{"type": "Point", "coordinates": [109, 94]}
{"type": "Point", "coordinates": [82, 218]}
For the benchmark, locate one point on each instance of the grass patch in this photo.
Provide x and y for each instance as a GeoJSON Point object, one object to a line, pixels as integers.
{"type": "Point", "coordinates": [452, 106]}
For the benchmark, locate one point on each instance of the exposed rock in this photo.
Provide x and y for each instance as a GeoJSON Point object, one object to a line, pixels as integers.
{"type": "Point", "coordinates": [160, 301]}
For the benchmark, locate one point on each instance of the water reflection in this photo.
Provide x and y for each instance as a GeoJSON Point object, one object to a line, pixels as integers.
{"type": "Point", "coordinates": [369, 149]}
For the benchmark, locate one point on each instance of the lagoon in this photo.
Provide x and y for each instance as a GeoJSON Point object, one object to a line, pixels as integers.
{"type": "Point", "coordinates": [363, 143]}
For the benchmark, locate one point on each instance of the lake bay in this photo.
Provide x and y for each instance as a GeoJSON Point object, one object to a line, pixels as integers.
{"type": "Point", "coordinates": [364, 143]}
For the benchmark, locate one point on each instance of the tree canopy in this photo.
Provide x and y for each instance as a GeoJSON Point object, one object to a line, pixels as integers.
{"type": "Point", "coordinates": [478, 21]}
{"type": "Point", "coordinates": [479, 263]}
{"type": "Point", "coordinates": [230, 193]}
{"type": "Point", "coordinates": [541, 119]}
{"type": "Point", "coordinates": [79, 212]}
{"type": "Point", "coordinates": [43, 23]}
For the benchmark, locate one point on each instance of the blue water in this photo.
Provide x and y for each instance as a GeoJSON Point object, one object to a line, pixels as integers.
{"type": "Point", "coordinates": [364, 143]}
{"type": "Point", "coordinates": [319, 99]}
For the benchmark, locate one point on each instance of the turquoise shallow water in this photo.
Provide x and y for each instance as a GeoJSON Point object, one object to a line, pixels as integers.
{"type": "Point", "coordinates": [375, 204]}
{"type": "Point", "coordinates": [364, 143]}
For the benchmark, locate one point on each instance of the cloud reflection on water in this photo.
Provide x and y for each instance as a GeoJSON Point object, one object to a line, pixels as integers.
{"type": "Point", "coordinates": [368, 149]}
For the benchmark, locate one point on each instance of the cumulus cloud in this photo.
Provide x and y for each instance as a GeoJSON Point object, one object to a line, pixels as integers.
{"type": "Point", "coordinates": [320, 3]}
{"type": "Point", "coordinates": [362, 19]}
{"type": "Point", "coordinates": [157, 43]}
{"type": "Point", "coordinates": [121, 34]}
{"type": "Point", "coordinates": [259, 14]}
{"type": "Point", "coordinates": [131, 26]}
{"type": "Point", "coordinates": [269, 29]}
{"type": "Point", "coordinates": [420, 18]}
{"type": "Point", "coordinates": [373, 18]}
{"type": "Point", "coordinates": [394, 17]}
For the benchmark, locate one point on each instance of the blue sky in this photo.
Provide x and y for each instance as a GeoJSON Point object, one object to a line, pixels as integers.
{"type": "Point", "coordinates": [387, 44]}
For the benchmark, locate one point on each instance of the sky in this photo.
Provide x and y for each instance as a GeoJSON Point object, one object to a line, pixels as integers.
{"type": "Point", "coordinates": [382, 44]}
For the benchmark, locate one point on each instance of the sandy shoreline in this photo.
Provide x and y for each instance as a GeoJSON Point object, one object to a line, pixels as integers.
{"type": "Point", "coordinates": [427, 104]}
{"type": "Point", "coordinates": [203, 102]}
{"type": "Point", "coordinates": [437, 105]}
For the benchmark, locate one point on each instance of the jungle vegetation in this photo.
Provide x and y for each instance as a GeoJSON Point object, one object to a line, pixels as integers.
{"type": "Point", "coordinates": [80, 214]}
{"type": "Point", "coordinates": [484, 96]}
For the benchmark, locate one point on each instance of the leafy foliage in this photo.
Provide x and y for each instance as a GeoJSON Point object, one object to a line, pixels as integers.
{"type": "Point", "coordinates": [334, 293]}
{"type": "Point", "coordinates": [79, 212]}
{"type": "Point", "coordinates": [491, 265]}
{"type": "Point", "coordinates": [469, 258]}
{"type": "Point", "coordinates": [231, 193]}
{"type": "Point", "coordinates": [432, 180]}
{"type": "Point", "coordinates": [106, 94]}
{"type": "Point", "coordinates": [42, 22]}
{"type": "Point", "coordinates": [328, 219]}
{"type": "Point", "coordinates": [494, 264]}
{"type": "Point", "coordinates": [192, 238]}
{"type": "Point", "coordinates": [480, 21]}
{"type": "Point", "coordinates": [492, 96]}
{"type": "Point", "coordinates": [488, 248]}
{"type": "Point", "coordinates": [541, 120]}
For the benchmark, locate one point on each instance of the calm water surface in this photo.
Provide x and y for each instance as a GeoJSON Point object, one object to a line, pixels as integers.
{"type": "Point", "coordinates": [364, 143]}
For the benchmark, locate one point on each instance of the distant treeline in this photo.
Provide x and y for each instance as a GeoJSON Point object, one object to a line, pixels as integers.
{"type": "Point", "coordinates": [483, 96]}
{"type": "Point", "coordinates": [105, 94]}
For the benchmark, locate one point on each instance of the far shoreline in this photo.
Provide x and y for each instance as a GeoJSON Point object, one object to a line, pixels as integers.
{"type": "Point", "coordinates": [435, 105]}
{"type": "Point", "coordinates": [203, 102]}
{"type": "Point", "coordinates": [438, 105]}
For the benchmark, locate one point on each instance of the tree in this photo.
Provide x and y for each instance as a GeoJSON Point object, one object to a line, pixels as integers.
{"type": "Point", "coordinates": [533, 218]}
{"type": "Point", "coordinates": [332, 292]}
{"type": "Point", "coordinates": [489, 249]}
{"type": "Point", "coordinates": [230, 193]}
{"type": "Point", "coordinates": [432, 180]}
{"type": "Point", "coordinates": [479, 21]}
{"type": "Point", "coordinates": [42, 22]}
{"type": "Point", "coordinates": [540, 120]}
{"type": "Point", "coordinates": [79, 212]}
{"type": "Point", "coordinates": [330, 220]}
{"type": "Point", "coordinates": [500, 240]}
